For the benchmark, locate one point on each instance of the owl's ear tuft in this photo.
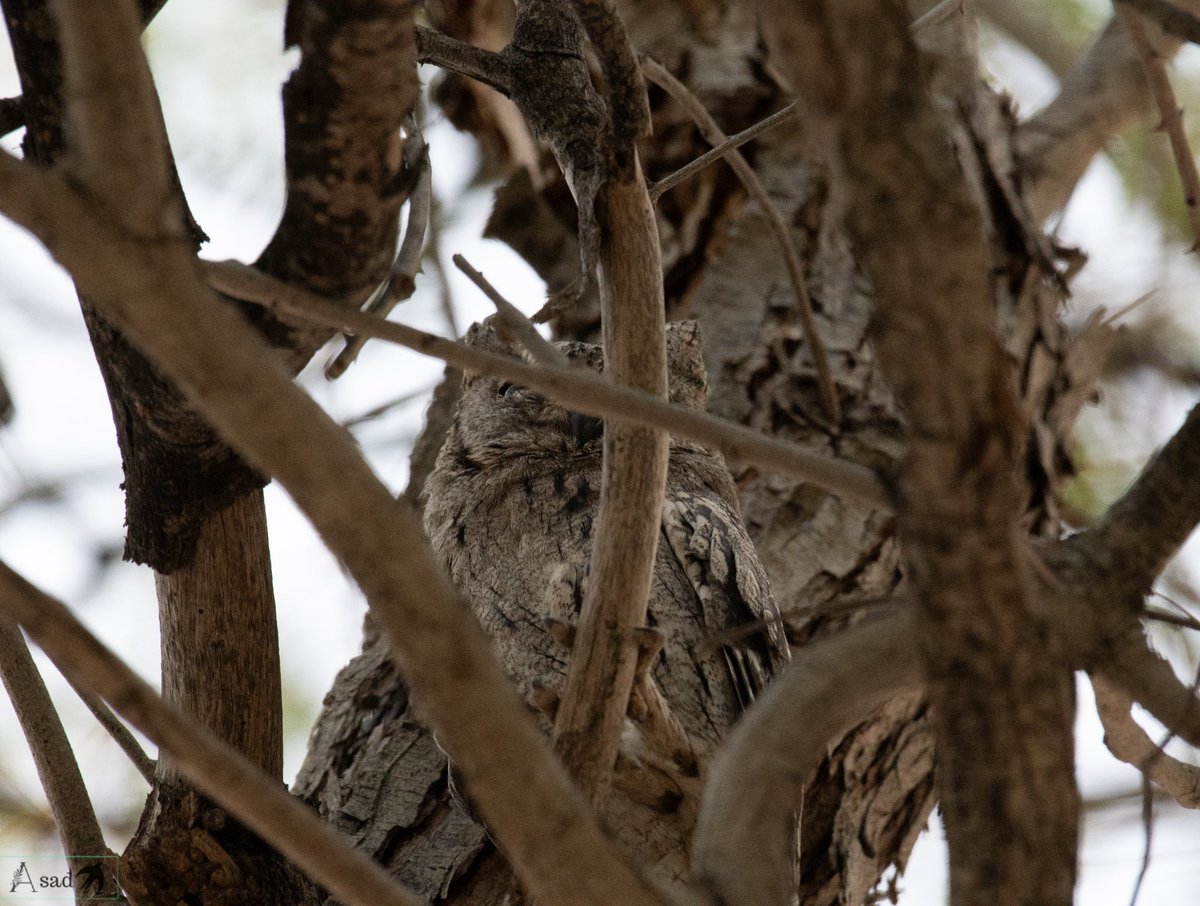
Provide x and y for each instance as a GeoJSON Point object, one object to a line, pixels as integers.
{"type": "Point", "coordinates": [482, 335]}
{"type": "Point", "coordinates": [685, 364]}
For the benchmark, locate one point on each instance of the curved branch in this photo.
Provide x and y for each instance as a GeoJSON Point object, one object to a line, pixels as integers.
{"type": "Point", "coordinates": [1129, 742]}
{"type": "Point", "coordinates": [1149, 680]}
{"type": "Point", "coordinates": [743, 845]}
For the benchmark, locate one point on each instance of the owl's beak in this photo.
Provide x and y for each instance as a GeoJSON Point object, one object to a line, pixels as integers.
{"type": "Point", "coordinates": [585, 428]}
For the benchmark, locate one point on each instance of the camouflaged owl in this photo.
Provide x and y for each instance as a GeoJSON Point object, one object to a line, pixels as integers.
{"type": "Point", "coordinates": [510, 508]}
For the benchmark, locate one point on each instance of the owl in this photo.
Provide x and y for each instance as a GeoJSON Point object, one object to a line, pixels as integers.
{"type": "Point", "coordinates": [510, 508]}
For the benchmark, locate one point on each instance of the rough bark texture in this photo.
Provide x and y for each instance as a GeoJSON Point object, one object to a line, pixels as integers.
{"type": "Point", "coordinates": [866, 804]}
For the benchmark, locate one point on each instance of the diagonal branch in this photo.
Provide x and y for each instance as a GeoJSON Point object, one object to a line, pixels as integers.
{"type": "Point", "coordinates": [256, 799]}
{"type": "Point", "coordinates": [1149, 680]}
{"type": "Point", "coordinates": [1168, 110]}
{"type": "Point", "coordinates": [82, 840]}
{"type": "Point", "coordinates": [783, 235]}
{"type": "Point", "coordinates": [1102, 94]}
{"type": "Point", "coordinates": [1139, 533]}
{"type": "Point", "coordinates": [1170, 17]}
{"type": "Point", "coordinates": [538, 347]}
{"type": "Point", "coordinates": [118, 731]}
{"type": "Point", "coordinates": [721, 150]}
{"type": "Point", "coordinates": [153, 292]}
{"type": "Point", "coordinates": [486, 66]}
{"type": "Point", "coordinates": [574, 388]}
{"type": "Point", "coordinates": [743, 845]}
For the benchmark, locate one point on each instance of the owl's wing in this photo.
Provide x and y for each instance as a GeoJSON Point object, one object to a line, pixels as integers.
{"type": "Point", "coordinates": [709, 541]}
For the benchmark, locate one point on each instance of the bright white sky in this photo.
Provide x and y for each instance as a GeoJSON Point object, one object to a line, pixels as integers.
{"type": "Point", "coordinates": [219, 83]}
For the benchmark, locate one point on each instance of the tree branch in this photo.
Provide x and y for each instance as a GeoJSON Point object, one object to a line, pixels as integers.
{"type": "Point", "coordinates": [1149, 680]}
{"type": "Point", "coordinates": [344, 107]}
{"type": "Point", "coordinates": [82, 839]}
{"type": "Point", "coordinates": [1138, 534]}
{"type": "Point", "coordinates": [592, 711]}
{"type": "Point", "coordinates": [118, 731]}
{"type": "Point", "coordinates": [713, 135]}
{"type": "Point", "coordinates": [1170, 17]}
{"type": "Point", "coordinates": [1102, 94]}
{"type": "Point", "coordinates": [743, 845]}
{"type": "Point", "coordinates": [574, 388]}
{"type": "Point", "coordinates": [261, 802]}
{"type": "Point", "coordinates": [1168, 110]}
{"type": "Point", "coordinates": [721, 150]}
{"type": "Point", "coordinates": [628, 108]}
{"type": "Point", "coordinates": [520, 327]}
{"type": "Point", "coordinates": [486, 66]}
{"type": "Point", "coordinates": [1129, 742]}
{"type": "Point", "coordinates": [153, 292]}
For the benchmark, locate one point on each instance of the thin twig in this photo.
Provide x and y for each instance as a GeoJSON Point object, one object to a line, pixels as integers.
{"type": "Point", "coordinates": [383, 408]}
{"type": "Point", "coordinates": [575, 388]}
{"type": "Point", "coordinates": [712, 133]}
{"type": "Point", "coordinates": [1168, 110]}
{"type": "Point", "coordinates": [118, 731]}
{"type": "Point", "coordinates": [1147, 837]}
{"type": "Point", "coordinates": [400, 283]}
{"type": "Point", "coordinates": [57, 768]}
{"type": "Point", "coordinates": [256, 799]}
{"type": "Point", "coordinates": [717, 152]}
{"type": "Point", "coordinates": [539, 348]}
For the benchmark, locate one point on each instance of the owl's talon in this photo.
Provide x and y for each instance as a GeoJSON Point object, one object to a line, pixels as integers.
{"type": "Point", "coordinates": [561, 631]}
